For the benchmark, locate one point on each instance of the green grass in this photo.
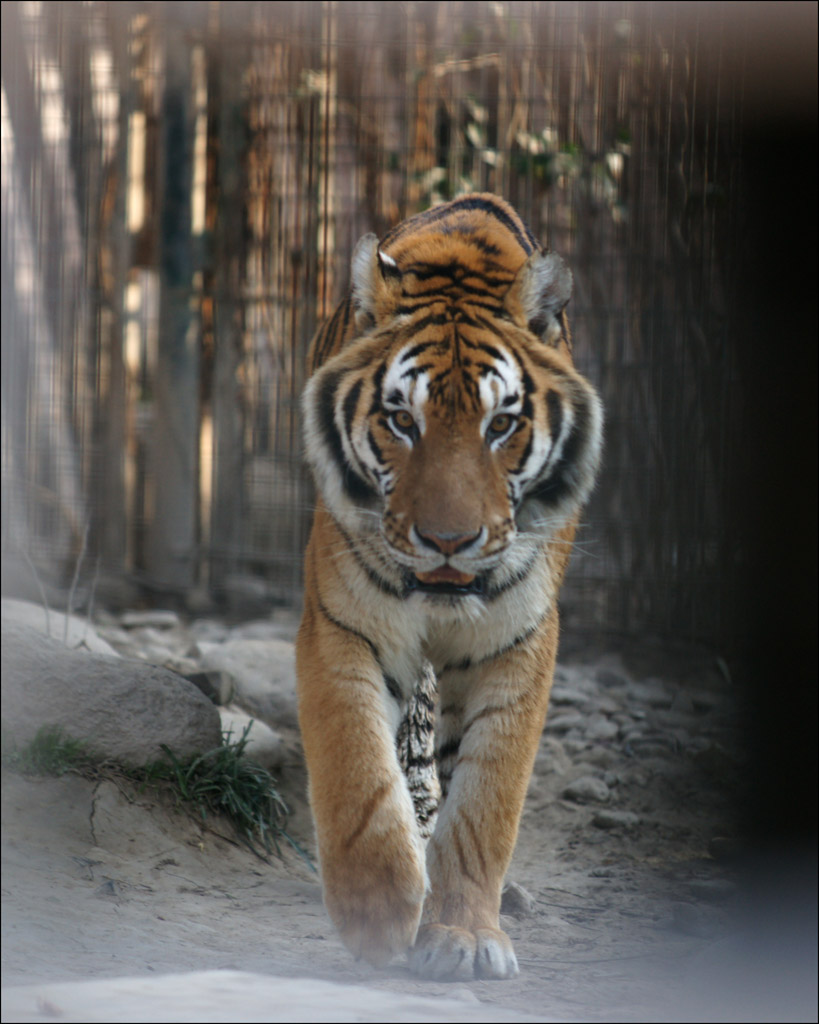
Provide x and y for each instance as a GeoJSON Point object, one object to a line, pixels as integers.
{"type": "Point", "coordinates": [221, 781]}
{"type": "Point", "coordinates": [51, 752]}
{"type": "Point", "coordinates": [224, 781]}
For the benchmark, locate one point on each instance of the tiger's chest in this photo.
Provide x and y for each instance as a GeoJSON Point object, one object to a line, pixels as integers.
{"type": "Point", "coordinates": [407, 631]}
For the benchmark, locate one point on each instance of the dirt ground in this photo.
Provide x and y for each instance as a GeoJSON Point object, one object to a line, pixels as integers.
{"type": "Point", "coordinates": [635, 910]}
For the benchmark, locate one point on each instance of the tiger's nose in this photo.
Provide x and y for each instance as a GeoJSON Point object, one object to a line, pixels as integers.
{"type": "Point", "coordinates": [448, 543]}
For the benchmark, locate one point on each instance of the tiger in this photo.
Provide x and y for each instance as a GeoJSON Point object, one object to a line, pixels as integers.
{"type": "Point", "coordinates": [453, 445]}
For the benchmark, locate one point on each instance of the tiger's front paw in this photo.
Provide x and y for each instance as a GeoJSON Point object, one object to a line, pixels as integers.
{"type": "Point", "coordinates": [376, 906]}
{"type": "Point", "coordinates": [445, 953]}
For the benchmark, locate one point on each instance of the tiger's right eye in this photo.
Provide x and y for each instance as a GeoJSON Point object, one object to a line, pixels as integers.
{"type": "Point", "coordinates": [403, 421]}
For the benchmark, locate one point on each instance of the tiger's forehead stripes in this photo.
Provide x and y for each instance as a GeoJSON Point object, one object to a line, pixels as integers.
{"type": "Point", "coordinates": [441, 374]}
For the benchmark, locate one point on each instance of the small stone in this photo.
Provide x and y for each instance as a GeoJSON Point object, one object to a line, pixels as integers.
{"type": "Point", "coordinates": [516, 901]}
{"type": "Point", "coordinates": [156, 618]}
{"type": "Point", "coordinates": [608, 819]}
{"type": "Point", "coordinates": [209, 631]}
{"type": "Point", "coordinates": [602, 758]}
{"type": "Point", "coordinates": [611, 680]}
{"type": "Point", "coordinates": [651, 693]}
{"type": "Point", "coordinates": [601, 728]}
{"type": "Point", "coordinates": [216, 686]}
{"type": "Point", "coordinates": [587, 789]}
{"type": "Point", "coordinates": [561, 695]}
{"type": "Point", "coordinates": [563, 723]}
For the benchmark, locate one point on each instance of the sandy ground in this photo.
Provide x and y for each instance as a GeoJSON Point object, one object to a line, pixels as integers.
{"type": "Point", "coordinates": [120, 906]}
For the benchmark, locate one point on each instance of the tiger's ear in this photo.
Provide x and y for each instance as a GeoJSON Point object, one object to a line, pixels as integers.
{"type": "Point", "coordinates": [376, 283]}
{"type": "Point", "coordinates": [538, 295]}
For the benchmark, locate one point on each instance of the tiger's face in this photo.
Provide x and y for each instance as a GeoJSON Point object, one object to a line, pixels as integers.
{"type": "Point", "coordinates": [454, 429]}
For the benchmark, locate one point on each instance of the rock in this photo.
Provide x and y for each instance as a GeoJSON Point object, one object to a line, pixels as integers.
{"type": "Point", "coordinates": [606, 706]}
{"type": "Point", "coordinates": [601, 728]}
{"type": "Point", "coordinates": [563, 723]}
{"type": "Point", "coordinates": [282, 624]}
{"type": "Point", "coordinates": [158, 646]}
{"type": "Point", "coordinates": [124, 710]}
{"type": "Point", "coordinates": [603, 757]}
{"type": "Point", "coordinates": [566, 695]}
{"type": "Point", "coordinates": [156, 618]}
{"type": "Point", "coordinates": [209, 631]}
{"type": "Point", "coordinates": [676, 719]}
{"type": "Point", "coordinates": [263, 673]}
{"type": "Point", "coordinates": [264, 745]}
{"type": "Point", "coordinates": [516, 901]}
{"type": "Point", "coordinates": [551, 757]}
{"type": "Point", "coordinates": [69, 630]}
{"type": "Point", "coordinates": [587, 789]}
{"type": "Point", "coordinates": [216, 686]}
{"type": "Point", "coordinates": [615, 819]}
{"type": "Point", "coordinates": [650, 693]}
{"type": "Point", "coordinates": [611, 680]}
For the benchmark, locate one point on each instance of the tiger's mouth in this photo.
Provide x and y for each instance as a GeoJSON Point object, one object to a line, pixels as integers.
{"type": "Point", "coordinates": [446, 580]}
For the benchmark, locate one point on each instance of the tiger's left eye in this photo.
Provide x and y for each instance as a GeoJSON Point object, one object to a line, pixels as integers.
{"type": "Point", "coordinates": [500, 424]}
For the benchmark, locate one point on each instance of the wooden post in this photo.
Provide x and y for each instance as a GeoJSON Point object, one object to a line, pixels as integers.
{"type": "Point", "coordinates": [172, 540]}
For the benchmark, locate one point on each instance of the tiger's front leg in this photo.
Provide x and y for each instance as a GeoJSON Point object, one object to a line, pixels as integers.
{"type": "Point", "coordinates": [491, 719]}
{"type": "Point", "coordinates": [371, 853]}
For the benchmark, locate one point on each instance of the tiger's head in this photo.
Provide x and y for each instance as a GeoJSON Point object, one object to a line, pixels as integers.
{"type": "Point", "coordinates": [451, 426]}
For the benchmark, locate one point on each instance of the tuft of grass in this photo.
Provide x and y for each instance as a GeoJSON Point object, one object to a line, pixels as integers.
{"type": "Point", "coordinates": [51, 752]}
{"type": "Point", "coordinates": [221, 781]}
{"type": "Point", "coordinates": [224, 781]}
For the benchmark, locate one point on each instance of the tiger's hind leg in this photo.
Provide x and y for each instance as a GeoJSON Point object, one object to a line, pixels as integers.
{"type": "Point", "coordinates": [415, 744]}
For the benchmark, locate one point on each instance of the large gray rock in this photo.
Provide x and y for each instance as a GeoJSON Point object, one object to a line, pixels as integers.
{"type": "Point", "coordinates": [124, 710]}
